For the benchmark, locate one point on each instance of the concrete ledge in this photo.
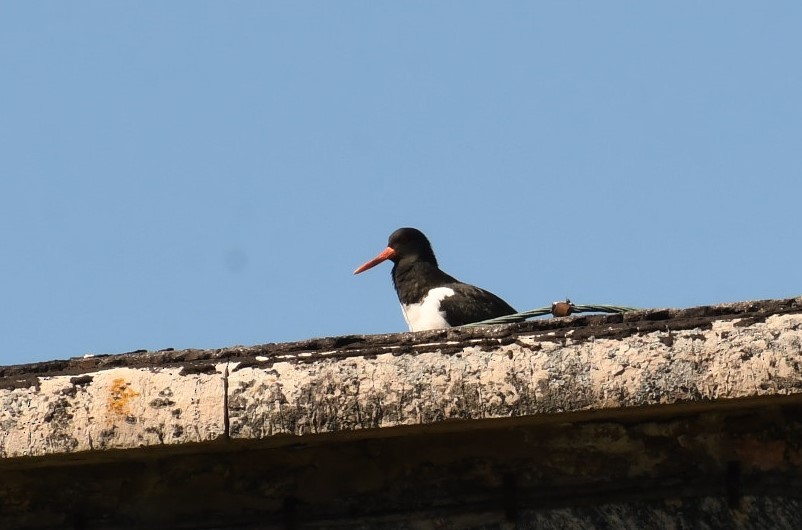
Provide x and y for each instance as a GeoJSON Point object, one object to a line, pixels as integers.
{"type": "Point", "coordinates": [111, 409]}
{"type": "Point", "coordinates": [527, 374]}
{"type": "Point", "coordinates": [366, 382]}
{"type": "Point", "coordinates": [608, 404]}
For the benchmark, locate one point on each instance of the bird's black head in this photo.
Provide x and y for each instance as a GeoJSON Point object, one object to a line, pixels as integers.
{"type": "Point", "coordinates": [405, 245]}
{"type": "Point", "coordinates": [411, 243]}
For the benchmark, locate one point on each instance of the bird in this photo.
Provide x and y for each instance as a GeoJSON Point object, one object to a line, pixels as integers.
{"type": "Point", "coordinates": [430, 298]}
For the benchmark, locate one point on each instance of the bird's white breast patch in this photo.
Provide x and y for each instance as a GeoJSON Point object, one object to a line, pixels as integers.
{"type": "Point", "coordinates": [426, 314]}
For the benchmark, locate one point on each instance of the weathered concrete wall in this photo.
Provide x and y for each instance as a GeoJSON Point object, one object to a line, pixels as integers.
{"type": "Point", "coordinates": [535, 368]}
{"type": "Point", "coordinates": [111, 409]}
{"type": "Point", "coordinates": [536, 374]}
{"type": "Point", "coordinates": [702, 403]}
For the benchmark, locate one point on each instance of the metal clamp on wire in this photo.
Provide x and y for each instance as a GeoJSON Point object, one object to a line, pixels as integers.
{"type": "Point", "coordinates": [557, 309]}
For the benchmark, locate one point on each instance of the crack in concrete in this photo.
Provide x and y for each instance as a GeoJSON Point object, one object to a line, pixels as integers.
{"type": "Point", "coordinates": [226, 421]}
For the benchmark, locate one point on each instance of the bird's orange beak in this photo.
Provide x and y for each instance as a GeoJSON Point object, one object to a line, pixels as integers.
{"type": "Point", "coordinates": [383, 256]}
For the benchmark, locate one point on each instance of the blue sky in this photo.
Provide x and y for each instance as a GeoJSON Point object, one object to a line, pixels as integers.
{"type": "Point", "coordinates": [204, 174]}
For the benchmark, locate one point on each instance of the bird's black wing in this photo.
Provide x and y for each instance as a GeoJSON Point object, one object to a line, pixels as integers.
{"type": "Point", "coordinates": [472, 304]}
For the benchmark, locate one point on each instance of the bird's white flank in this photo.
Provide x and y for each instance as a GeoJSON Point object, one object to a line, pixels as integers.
{"type": "Point", "coordinates": [426, 314]}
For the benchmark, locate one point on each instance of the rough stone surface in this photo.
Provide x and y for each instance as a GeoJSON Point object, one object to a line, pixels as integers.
{"type": "Point", "coordinates": [662, 418]}
{"type": "Point", "coordinates": [534, 374]}
{"type": "Point", "coordinates": [110, 409]}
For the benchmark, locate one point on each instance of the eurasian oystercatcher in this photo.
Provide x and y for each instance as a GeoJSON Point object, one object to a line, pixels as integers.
{"type": "Point", "coordinates": [430, 298]}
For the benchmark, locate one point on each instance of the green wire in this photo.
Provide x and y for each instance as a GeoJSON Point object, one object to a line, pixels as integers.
{"type": "Point", "coordinates": [525, 315]}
